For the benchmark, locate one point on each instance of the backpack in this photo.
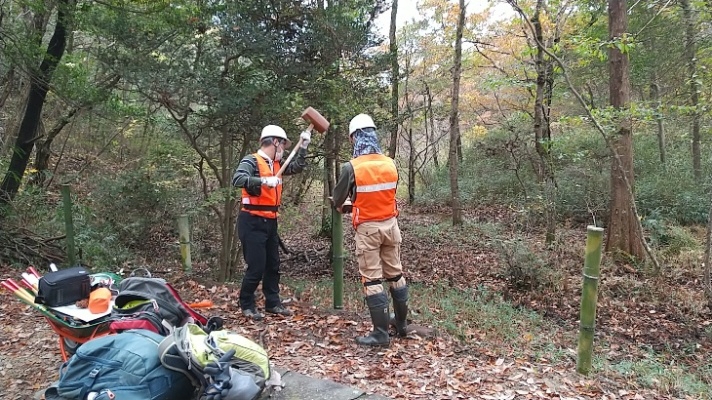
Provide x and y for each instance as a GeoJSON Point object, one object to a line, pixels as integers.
{"type": "Point", "coordinates": [151, 304]}
{"type": "Point", "coordinates": [125, 366]}
{"type": "Point", "coordinates": [189, 349]}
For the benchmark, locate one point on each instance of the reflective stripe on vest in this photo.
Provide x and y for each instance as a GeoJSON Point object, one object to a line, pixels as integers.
{"type": "Point", "coordinates": [376, 180]}
{"type": "Point", "coordinates": [267, 203]}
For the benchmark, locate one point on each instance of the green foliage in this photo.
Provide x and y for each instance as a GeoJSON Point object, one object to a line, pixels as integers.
{"type": "Point", "coordinates": [672, 238]}
{"type": "Point", "coordinates": [135, 203]}
{"type": "Point", "coordinates": [670, 190]}
{"type": "Point", "coordinates": [669, 378]}
{"type": "Point", "coordinates": [525, 270]}
{"type": "Point", "coordinates": [498, 170]}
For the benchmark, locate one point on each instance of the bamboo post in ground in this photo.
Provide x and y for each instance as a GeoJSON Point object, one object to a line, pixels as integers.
{"type": "Point", "coordinates": [184, 238]}
{"type": "Point", "coordinates": [68, 224]}
{"type": "Point", "coordinates": [589, 298]}
{"type": "Point", "coordinates": [337, 254]}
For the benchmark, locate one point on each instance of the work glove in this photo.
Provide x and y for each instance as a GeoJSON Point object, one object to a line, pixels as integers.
{"type": "Point", "coordinates": [271, 181]}
{"type": "Point", "coordinates": [306, 139]}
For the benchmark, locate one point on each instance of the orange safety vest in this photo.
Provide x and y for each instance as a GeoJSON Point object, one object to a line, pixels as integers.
{"type": "Point", "coordinates": [267, 203]}
{"type": "Point", "coordinates": [376, 180]}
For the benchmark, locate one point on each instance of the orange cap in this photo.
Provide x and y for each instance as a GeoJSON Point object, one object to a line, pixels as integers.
{"type": "Point", "coordinates": [99, 300]}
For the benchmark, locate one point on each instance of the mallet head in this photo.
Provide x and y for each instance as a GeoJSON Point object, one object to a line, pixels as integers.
{"type": "Point", "coordinates": [318, 121]}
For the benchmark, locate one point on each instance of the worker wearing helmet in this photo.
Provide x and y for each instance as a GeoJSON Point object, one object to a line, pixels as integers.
{"type": "Point", "coordinates": [370, 180]}
{"type": "Point", "coordinates": [257, 222]}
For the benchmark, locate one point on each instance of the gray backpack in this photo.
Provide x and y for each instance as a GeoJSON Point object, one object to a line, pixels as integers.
{"type": "Point", "coordinates": [192, 351]}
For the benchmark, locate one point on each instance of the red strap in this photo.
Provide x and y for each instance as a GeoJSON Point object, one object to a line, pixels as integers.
{"type": "Point", "coordinates": [126, 324]}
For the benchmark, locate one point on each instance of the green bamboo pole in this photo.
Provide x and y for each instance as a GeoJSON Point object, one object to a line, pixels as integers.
{"type": "Point", "coordinates": [337, 254]}
{"type": "Point", "coordinates": [69, 224]}
{"type": "Point", "coordinates": [589, 298]}
{"type": "Point", "coordinates": [184, 238]}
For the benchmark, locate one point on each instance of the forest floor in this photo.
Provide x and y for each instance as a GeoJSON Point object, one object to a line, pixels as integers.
{"type": "Point", "coordinates": [505, 312]}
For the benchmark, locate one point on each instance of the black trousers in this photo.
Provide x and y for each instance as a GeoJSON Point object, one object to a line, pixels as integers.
{"type": "Point", "coordinates": [260, 247]}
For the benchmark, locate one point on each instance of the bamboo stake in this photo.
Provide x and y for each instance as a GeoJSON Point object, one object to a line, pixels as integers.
{"type": "Point", "coordinates": [184, 238]}
{"type": "Point", "coordinates": [337, 260]}
{"type": "Point", "coordinates": [589, 298]}
{"type": "Point", "coordinates": [69, 224]}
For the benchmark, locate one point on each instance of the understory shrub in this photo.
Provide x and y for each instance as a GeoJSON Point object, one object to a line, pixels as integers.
{"type": "Point", "coordinates": [525, 270]}
{"type": "Point", "coordinates": [499, 169]}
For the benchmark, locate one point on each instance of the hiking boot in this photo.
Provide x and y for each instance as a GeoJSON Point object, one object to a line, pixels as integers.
{"type": "Point", "coordinates": [279, 310]}
{"type": "Point", "coordinates": [253, 314]}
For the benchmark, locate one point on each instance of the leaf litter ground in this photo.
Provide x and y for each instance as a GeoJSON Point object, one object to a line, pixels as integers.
{"type": "Point", "coordinates": [319, 342]}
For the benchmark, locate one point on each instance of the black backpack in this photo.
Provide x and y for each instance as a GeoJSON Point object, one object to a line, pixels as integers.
{"type": "Point", "coordinates": [152, 304]}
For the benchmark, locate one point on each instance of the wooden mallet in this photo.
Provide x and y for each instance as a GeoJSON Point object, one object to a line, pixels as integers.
{"type": "Point", "coordinates": [317, 122]}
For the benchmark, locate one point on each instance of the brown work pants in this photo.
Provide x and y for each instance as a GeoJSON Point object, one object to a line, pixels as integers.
{"type": "Point", "coordinates": [378, 251]}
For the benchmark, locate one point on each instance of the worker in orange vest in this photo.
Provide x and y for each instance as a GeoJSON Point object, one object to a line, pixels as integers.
{"type": "Point", "coordinates": [257, 222]}
{"type": "Point", "coordinates": [370, 180]}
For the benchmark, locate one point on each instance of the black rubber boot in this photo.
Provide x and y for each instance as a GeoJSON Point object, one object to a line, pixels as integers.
{"type": "Point", "coordinates": [378, 306]}
{"type": "Point", "coordinates": [400, 309]}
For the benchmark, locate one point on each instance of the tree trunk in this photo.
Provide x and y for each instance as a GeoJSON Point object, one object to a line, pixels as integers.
{"type": "Point", "coordinates": [411, 167]}
{"type": "Point", "coordinates": [708, 260]}
{"type": "Point", "coordinates": [228, 249]}
{"type": "Point", "coordinates": [412, 143]}
{"type": "Point", "coordinates": [454, 153]}
{"type": "Point", "coordinates": [691, 61]}
{"type": "Point", "coordinates": [433, 138]}
{"type": "Point", "coordinates": [624, 234]}
{"type": "Point", "coordinates": [395, 76]}
{"type": "Point", "coordinates": [39, 86]}
{"type": "Point", "coordinates": [330, 168]}
{"type": "Point", "coordinates": [655, 98]}
{"type": "Point", "coordinates": [542, 132]}
{"type": "Point", "coordinates": [44, 149]}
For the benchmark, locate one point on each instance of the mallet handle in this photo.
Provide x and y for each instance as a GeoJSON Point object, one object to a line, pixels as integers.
{"type": "Point", "coordinates": [292, 153]}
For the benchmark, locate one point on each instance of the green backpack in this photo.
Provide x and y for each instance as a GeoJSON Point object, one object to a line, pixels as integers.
{"type": "Point", "coordinates": [189, 349]}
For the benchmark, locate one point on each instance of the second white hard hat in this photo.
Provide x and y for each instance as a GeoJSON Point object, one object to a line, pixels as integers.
{"type": "Point", "coordinates": [360, 121]}
{"type": "Point", "coordinates": [275, 131]}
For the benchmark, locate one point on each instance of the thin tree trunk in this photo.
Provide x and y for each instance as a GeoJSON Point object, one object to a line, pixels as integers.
{"type": "Point", "coordinates": [624, 234]}
{"type": "Point", "coordinates": [708, 259]}
{"type": "Point", "coordinates": [426, 130]}
{"type": "Point", "coordinates": [540, 144]}
{"type": "Point", "coordinates": [39, 85]}
{"type": "Point", "coordinates": [8, 86]}
{"type": "Point", "coordinates": [411, 139]}
{"type": "Point", "coordinates": [395, 76]}
{"type": "Point", "coordinates": [44, 148]}
{"type": "Point", "coordinates": [454, 154]}
{"type": "Point", "coordinates": [411, 167]}
{"type": "Point", "coordinates": [655, 98]}
{"type": "Point", "coordinates": [330, 168]}
{"type": "Point", "coordinates": [227, 227]}
{"type": "Point", "coordinates": [542, 131]}
{"type": "Point", "coordinates": [433, 139]}
{"type": "Point", "coordinates": [691, 60]}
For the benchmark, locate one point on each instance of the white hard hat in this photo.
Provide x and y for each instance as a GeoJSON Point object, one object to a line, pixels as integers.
{"type": "Point", "coordinates": [359, 122]}
{"type": "Point", "coordinates": [275, 131]}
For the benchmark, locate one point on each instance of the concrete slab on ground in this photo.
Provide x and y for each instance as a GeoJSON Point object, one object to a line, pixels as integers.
{"type": "Point", "coordinates": [302, 387]}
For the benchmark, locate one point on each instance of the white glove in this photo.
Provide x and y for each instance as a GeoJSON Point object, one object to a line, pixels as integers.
{"type": "Point", "coordinates": [271, 181]}
{"type": "Point", "coordinates": [306, 139]}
